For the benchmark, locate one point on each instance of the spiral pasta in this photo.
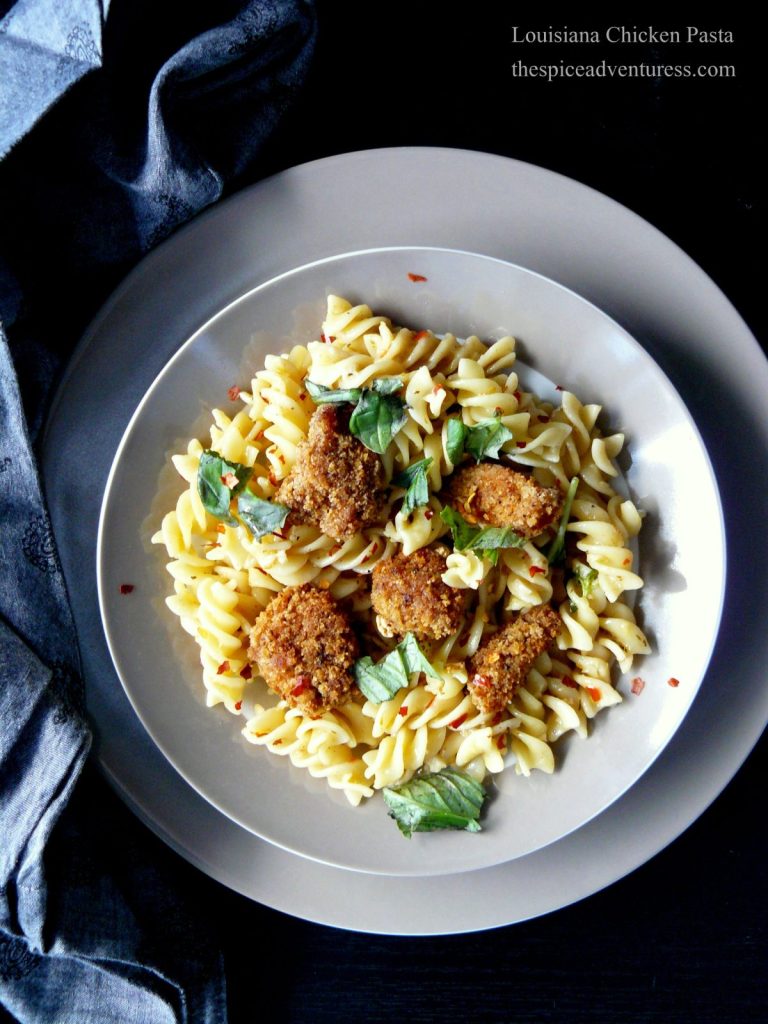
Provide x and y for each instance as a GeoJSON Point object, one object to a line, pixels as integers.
{"type": "Point", "coordinates": [224, 577]}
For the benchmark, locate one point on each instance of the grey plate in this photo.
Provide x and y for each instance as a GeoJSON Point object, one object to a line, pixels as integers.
{"type": "Point", "coordinates": [518, 213]}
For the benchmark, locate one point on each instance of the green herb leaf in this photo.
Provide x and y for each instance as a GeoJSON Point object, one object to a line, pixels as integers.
{"type": "Point", "coordinates": [321, 395]}
{"type": "Point", "coordinates": [377, 418]}
{"type": "Point", "coordinates": [414, 479]}
{"type": "Point", "coordinates": [387, 385]}
{"type": "Point", "coordinates": [449, 799]}
{"type": "Point", "coordinates": [215, 493]}
{"type": "Point", "coordinates": [414, 658]}
{"type": "Point", "coordinates": [587, 580]}
{"type": "Point", "coordinates": [381, 681]}
{"type": "Point", "coordinates": [456, 433]}
{"type": "Point", "coordinates": [462, 531]}
{"type": "Point", "coordinates": [488, 539]}
{"type": "Point", "coordinates": [260, 516]}
{"type": "Point", "coordinates": [556, 551]}
{"type": "Point", "coordinates": [484, 440]}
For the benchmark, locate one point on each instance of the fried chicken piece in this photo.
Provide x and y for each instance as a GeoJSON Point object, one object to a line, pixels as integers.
{"type": "Point", "coordinates": [304, 648]}
{"type": "Point", "coordinates": [408, 593]}
{"type": "Point", "coordinates": [493, 495]}
{"type": "Point", "coordinates": [336, 483]}
{"type": "Point", "coordinates": [502, 662]}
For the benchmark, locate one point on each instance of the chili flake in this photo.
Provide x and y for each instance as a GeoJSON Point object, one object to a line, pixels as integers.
{"type": "Point", "coordinates": [229, 480]}
{"type": "Point", "coordinates": [416, 277]}
{"type": "Point", "coordinates": [638, 685]}
{"type": "Point", "coordinates": [459, 721]}
{"type": "Point", "coordinates": [673, 682]}
{"type": "Point", "coordinates": [594, 693]}
{"type": "Point", "coordinates": [535, 570]}
{"type": "Point", "coordinates": [238, 705]}
{"type": "Point", "coordinates": [234, 392]}
{"type": "Point", "coordinates": [567, 681]}
{"type": "Point", "coordinates": [428, 513]}
{"type": "Point", "coordinates": [559, 387]}
{"type": "Point", "coordinates": [223, 667]}
{"type": "Point", "coordinates": [419, 335]}
{"type": "Point", "coordinates": [403, 710]}
{"type": "Point", "coordinates": [303, 683]}
{"type": "Point", "coordinates": [246, 672]}
{"type": "Point", "coordinates": [126, 588]}
{"type": "Point", "coordinates": [521, 444]}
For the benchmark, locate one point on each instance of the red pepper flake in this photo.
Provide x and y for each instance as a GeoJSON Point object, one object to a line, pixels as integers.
{"type": "Point", "coordinates": [567, 681]}
{"type": "Point", "coordinates": [223, 667]}
{"type": "Point", "coordinates": [627, 561]}
{"type": "Point", "coordinates": [559, 387]}
{"type": "Point", "coordinates": [220, 528]}
{"type": "Point", "coordinates": [594, 693]}
{"type": "Point", "coordinates": [428, 513]}
{"type": "Point", "coordinates": [229, 480]}
{"type": "Point", "coordinates": [416, 277]}
{"type": "Point", "coordinates": [498, 410]}
{"type": "Point", "coordinates": [403, 710]}
{"type": "Point", "coordinates": [234, 393]}
{"type": "Point", "coordinates": [420, 334]}
{"type": "Point", "coordinates": [535, 570]}
{"type": "Point", "coordinates": [302, 395]}
{"type": "Point", "coordinates": [272, 479]}
{"type": "Point", "coordinates": [521, 444]}
{"type": "Point", "coordinates": [327, 338]}
{"type": "Point", "coordinates": [459, 721]}
{"type": "Point", "coordinates": [638, 685]}
{"type": "Point", "coordinates": [126, 588]}
{"type": "Point", "coordinates": [303, 683]}
{"type": "Point", "coordinates": [276, 742]}
{"type": "Point", "coordinates": [517, 395]}
{"type": "Point", "coordinates": [673, 682]}
{"type": "Point", "coordinates": [501, 741]}
{"type": "Point", "coordinates": [238, 705]}
{"type": "Point", "coordinates": [246, 672]}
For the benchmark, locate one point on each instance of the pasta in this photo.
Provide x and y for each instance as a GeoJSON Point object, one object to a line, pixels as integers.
{"type": "Point", "coordinates": [224, 576]}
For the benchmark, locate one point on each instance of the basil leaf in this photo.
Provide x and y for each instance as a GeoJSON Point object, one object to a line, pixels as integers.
{"type": "Point", "coordinates": [414, 479]}
{"type": "Point", "coordinates": [414, 658]}
{"type": "Point", "coordinates": [587, 581]}
{"type": "Point", "coordinates": [381, 681]}
{"type": "Point", "coordinates": [260, 516]}
{"type": "Point", "coordinates": [449, 799]}
{"type": "Point", "coordinates": [321, 395]}
{"type": "Point", "coordinates": [488, 539]}
{"type": "Point", "coordinates": [455, 436]}
{"type": "Point", "coordinates": [387, 385]}
{"type": "Point", "coordinates": [556, 551]}
{"type": "Point", "coordinates": [376, 419]}
{"type": "Point", "coordinates": [214, 493]}
{"type": "Point", "coordinates": [462, 531]}
{"type": "Point", "coordinates": [484, 439]}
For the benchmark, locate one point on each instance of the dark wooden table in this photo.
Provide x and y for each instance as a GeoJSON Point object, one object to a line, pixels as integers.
{"type": "Point", "coordinates": [684, 937]}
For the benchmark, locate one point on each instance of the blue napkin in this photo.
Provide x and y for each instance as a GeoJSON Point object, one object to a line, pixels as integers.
{"type": "Point", "coordinates": [118, 121]}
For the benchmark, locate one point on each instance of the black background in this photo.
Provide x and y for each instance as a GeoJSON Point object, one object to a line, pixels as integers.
{"type": "Point", "coordinates": [683, 938]}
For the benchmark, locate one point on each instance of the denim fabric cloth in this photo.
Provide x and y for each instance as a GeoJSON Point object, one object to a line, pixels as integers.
{"type": "Point", "coordinates": [118, 121]}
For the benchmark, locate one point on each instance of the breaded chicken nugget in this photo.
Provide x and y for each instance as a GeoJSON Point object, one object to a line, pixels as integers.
{"type": "Point", "coordinates": [304, 648]}
{"type": "Point", "coordinates": [494, 495]}
{"type": "Point", "coordinates": [336, 483]}
{"type": "Point", "coordinates": [503, 661]}
{"type": "Point", "coordinates": [409, 594]}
